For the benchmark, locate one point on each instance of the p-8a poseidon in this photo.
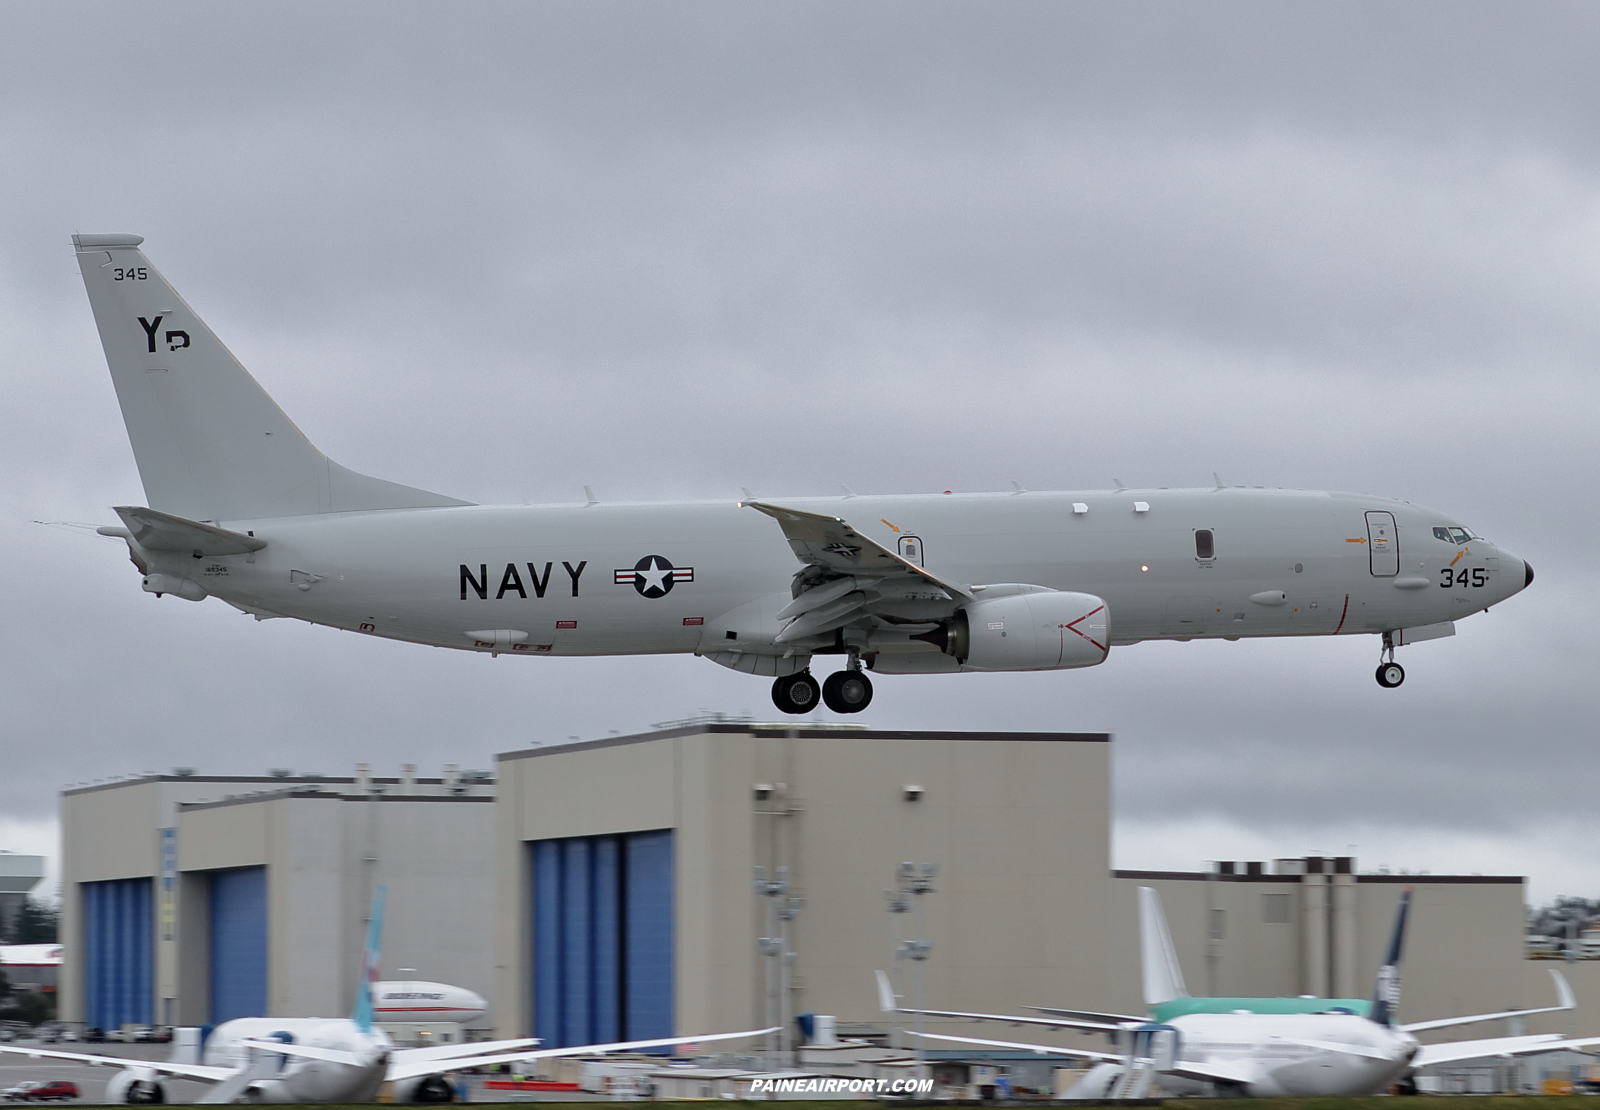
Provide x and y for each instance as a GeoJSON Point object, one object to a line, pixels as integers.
{"type": "Point", "coordinates": [243, 507]}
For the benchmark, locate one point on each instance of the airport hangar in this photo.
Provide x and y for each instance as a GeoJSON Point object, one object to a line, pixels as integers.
{"type": "Point", "coordinates": [603, 890]}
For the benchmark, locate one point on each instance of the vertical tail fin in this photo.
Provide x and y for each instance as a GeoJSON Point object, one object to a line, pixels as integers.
{"type": "Point", "coordinates": [210, 444]}
{"type": "Point", "coordinates": [1163, 978]}
{"type": "Point", "coordinates": [362, 1014]}
{"type": "Point", "coordinates": [1386, 991]}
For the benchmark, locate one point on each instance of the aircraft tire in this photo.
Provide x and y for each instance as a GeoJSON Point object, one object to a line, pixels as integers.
{"type": "Point", "coordinates": [1390, 675]}
{"type": "Point", "coordinates": [796, 693]}
{"type": "Point", "coordinates": [847, 691]}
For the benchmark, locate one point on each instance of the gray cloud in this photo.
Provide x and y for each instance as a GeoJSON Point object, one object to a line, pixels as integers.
{"type": "Point", "coordinates": [507, 250]}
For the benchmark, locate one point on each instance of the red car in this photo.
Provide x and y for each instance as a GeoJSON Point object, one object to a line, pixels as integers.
{"type": "Point", "coordinates": [57, 1090]}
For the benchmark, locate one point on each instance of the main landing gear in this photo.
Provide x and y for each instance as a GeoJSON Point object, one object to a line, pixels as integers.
{"type": "Point", "coordinates": [1390, 673]}
{"type": "Point", "coordinates": [846, 691]}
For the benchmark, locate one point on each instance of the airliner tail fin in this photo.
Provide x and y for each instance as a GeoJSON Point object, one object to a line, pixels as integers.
{"type": "Point", "coordinates": [210, 444]}
{"type": "Point", "coordinates": [1163, 978]}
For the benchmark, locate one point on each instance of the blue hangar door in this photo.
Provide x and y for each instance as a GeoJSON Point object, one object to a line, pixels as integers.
{"type": "Point", "coordinates": [238, 956]}
{"type": "Point", "coordinates": [602, 938]}
{"type": "Point", "coordinates": [118, 953]}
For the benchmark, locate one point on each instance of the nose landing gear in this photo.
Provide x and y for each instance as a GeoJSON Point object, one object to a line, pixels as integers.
{"type": "Point", "coordinates": [1390, 673]}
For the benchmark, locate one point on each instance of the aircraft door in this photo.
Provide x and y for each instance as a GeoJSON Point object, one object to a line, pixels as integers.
{"type": "Point", "coordinates": [911, 549]}
{"type": "Point", "coordinates": [1383, 545]}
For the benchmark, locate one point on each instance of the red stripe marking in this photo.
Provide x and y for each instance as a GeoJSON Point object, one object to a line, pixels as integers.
{"type": "Point", "coordinates": [1074, 627]}
{"type": "Point", "coordinates": [1342, 614]}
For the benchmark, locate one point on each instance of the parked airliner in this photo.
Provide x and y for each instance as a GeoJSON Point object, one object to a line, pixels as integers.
{"type": "Point", "coordinates": [1256, 1046]}
{"type": "Point", "coordinates": [327, 1060]}
{"type": "Point", "coordinates": [243, 507]}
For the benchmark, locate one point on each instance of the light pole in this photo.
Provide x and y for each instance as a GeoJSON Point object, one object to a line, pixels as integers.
{"type": "Point", "coordinates": [899, 904]}
{"type": "Point", "coordinates": [915, 881]}
{"type": "Point", "coordinates": [782, 908]}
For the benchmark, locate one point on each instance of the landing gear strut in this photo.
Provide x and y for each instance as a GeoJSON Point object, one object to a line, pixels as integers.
{"type": "Point", "coordinates": [847, 691]}
{"type": "Point", "coordinates": [1390, 673]}
{"type": "Point", "coordinates": [796, 693]}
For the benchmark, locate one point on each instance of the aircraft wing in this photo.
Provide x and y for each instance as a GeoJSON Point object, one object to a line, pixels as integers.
{"type": "Point", "coordinates": [1564, 996]}
{"type": "Point", "coordinates": [451, 1051]}
{"type": "Point", "coordinates": [1015, 1019]}
{"type": "Point", "coordinates": [1212, 1071]}
{"type": "Point", "coordinates": [831, 543]}
{"type": "Point", "coordinates": [307, 1052]}
{"type": "Point", "coordinates": [1451, 1051]}
{"type": "Point", "coordinates": [1041, 1049]}
{"type": "Point", "coordinates": [1338, 1046]}
{"type": "Point", "coordinates": [204, 1072]}
{"type": "Point", "coordinates": [1088, 1015]}
{"type": "Point", "coordinates": [401, 1069]}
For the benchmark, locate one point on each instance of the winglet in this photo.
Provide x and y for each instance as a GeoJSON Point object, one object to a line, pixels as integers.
{"type": "Point", "coordinates": [886, 999]}
{"type": "Point", "coordinates": [1563, 991]}
{"type": "Point", "coordinates": [1386, 990]}
{"type": "Point", "coordinates": [362, 1014]}
{"type": "Point", "coordinates": [1162, 976]}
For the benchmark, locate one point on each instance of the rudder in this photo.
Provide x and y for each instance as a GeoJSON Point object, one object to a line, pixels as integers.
{"type": "Point", "coordinates": [210, 443]}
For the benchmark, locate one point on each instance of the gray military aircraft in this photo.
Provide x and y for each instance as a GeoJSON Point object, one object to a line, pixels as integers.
{"type": "Point", "coordinates": [243, 507]}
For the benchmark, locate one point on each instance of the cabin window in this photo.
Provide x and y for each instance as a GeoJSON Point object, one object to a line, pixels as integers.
{"type": "Point", "coordinates": [1205, 547]}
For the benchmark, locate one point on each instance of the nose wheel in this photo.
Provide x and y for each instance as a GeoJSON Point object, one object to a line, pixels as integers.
{"type": "Point", "coordinates": [847, 691]}
{"type": "Point", "coordinates": [1390, 673]}
{"type": "Point", "coordinates": [796, 693]}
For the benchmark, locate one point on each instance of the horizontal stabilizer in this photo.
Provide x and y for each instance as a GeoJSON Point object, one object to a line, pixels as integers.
{"type": "Point", "coordinates": [157, 531]}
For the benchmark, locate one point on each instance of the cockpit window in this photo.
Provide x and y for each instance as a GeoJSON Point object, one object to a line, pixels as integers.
{"type": "Point", "coordinates": [1454, 535]}
{"type": "Point", "coordinates": [1460, 535]}
{"type": "Point", "coordinates": [1442, 534]}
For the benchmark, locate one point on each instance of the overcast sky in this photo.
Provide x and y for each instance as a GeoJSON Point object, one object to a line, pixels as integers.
{"type": "Point", "coordinates": [667, 250]}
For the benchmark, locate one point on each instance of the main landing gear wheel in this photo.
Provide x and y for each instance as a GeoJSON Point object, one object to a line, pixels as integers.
{"type": "Point", "coordinates": [847, 691]}
{"type": "Point", "coordinates": [1390, 675]}
{"type": "Point", "coordinates": [797, 693]}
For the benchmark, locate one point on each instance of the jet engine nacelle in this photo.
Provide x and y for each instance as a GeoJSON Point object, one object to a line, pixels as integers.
{"type": "Point", "coordinates": [139, 1086]}
{"type": "Point", "coordinates": [425, 1089]}
{"type": "Point", "coordinates": [1033, 629]}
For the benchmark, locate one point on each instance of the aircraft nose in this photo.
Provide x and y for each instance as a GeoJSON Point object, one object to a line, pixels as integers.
{"type": "Point", "coordinates": [1528, 574]}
